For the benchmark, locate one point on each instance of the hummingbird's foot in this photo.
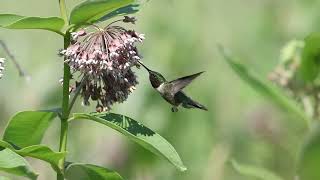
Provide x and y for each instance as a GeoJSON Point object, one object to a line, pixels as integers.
{"type": "Point", "coordinates": [174, 109]}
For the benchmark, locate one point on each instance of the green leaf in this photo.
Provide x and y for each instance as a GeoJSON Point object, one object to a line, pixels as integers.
{"type": "Point", "coordinates": [310, 64]}
{"type": "Point", "coordinates": [138, 133]}
{"type": "Point", "coordinates": [255, 172]}
{"type": "Point", "coordinates": [130, 9]}
{"type": "Point", "coordinates": [13, 21]}
{"type": "Point", "coordinates": [308, 165]}
{"type": "Point", "coordinates": [27, 128]}
{"type": "Point", "coordinates": [37, 151]}
{"type": "Point", "coordinates": [4, 145]}
{"type": "Point", "coordinates": [43, 153]}
{"type": "Point", "coordinates": [12, 163]}
{"type": "Point", "coordinates": [92, 11]}
{"type": "Point", "coordinates": [266, 88]}
{"type": "Point", "coordinates": [78, 171]}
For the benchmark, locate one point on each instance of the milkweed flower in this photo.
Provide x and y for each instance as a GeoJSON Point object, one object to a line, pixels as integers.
{"type": "Point", "coordinates": [105, 58]}
{"type": "Point", "coordinates": [1, 67]}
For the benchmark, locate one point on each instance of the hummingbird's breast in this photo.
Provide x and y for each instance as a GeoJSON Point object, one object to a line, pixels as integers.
{"type": "Point", "coordinates": [166, 94]}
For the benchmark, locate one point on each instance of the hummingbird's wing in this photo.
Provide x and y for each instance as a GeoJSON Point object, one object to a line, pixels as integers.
{"type": "Point", "coordinates": [178, 84]}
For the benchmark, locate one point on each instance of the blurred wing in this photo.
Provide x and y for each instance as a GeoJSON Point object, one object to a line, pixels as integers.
{"type": "Point", "coordinates": [178, 84]}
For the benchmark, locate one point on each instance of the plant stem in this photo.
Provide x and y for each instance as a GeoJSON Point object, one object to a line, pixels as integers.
{"type": "Point", "coordinates": [63, 11]}
{"type": "Point", "coordinates": [22, 73]}
{"type": "Point", "coordinates": [65, 109]}
{"type": "Point", "coordinates": [77, 92]}
{"type": "Point", "coordinates": [65, 96]}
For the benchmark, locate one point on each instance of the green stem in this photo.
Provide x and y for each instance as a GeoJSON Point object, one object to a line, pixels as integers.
{"type": "Point", "coordinates": [65, 97]}
{"type": "Point", "coordinates": [63, 11]}
{"type": "Point", "coordinates": [63, 146]}
{"type": "Point", "coordinates": [65, 109]}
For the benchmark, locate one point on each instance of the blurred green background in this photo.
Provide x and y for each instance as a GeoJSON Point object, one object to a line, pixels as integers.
{"type": "Point", "coordinates": [181, 39]}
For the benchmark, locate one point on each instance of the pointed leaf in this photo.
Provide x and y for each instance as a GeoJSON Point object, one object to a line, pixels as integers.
{"type": "Point", "coordinates": [78, 171]}
{"type": "Point", "coordinates": [27, 128]}
{"type": "Point", "coordinates": [138, 133]}
{"type": "Point", "coordinates": [266, 88]}
{"type": "Point", "coordinates": [310, 63]}
{"type": "Point", "coordinates": [13, 163]}
{"type": "Point", "coordinates": [92, 11]}
{"type": "Point", "coordinates": [255, 172]}
{"type": "Point", "coordinates": [13, 21]}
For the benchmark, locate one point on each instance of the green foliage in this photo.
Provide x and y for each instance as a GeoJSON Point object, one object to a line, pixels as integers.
{"type": "Point", "coordinates": [130, 9]}
{"type": "Point", "coordinates": [13, 163]}
{"type": "Point", "coordinates": [38, 152]}
{"type": "Point", "coordinates": [138, 133]}
{"type": "Point", "coordinates": [308, 166]}
{"type": "Point", "coordinates": [92, 11]}
{"type": "Point", "coordinates": [252, 171]}
{"type": "Point", "coordinates": [43, 153]}
{"type": "Point", "coordinates": [310, 65]}
{"type": "Point", "coordinates": [27, 128]}
{"type": "Point", "coordinates": [13, 21]}
{"type": "Point", "coordinates": [266, 88]}
{"type": "Point", "coordinates": [78, 171]}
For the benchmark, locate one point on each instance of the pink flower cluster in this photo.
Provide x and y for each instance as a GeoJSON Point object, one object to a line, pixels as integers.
{"type": "Point", "coordinates": [105, 58]}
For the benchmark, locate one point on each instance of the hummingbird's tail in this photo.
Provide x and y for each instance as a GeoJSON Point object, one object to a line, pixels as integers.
{"type": "Point", "coordinates": [194, 104]}
{"type": "Point", "coordinates": [187, 102]}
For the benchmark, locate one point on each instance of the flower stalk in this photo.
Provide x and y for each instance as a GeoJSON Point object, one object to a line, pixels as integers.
{"type": "Point", "coordinates": [65, 97]}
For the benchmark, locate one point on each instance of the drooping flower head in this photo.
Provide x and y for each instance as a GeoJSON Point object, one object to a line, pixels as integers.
{"type": "Point", "coordinates": [1, 67]}
{"type": "Point", "coordinates": [104, 58]}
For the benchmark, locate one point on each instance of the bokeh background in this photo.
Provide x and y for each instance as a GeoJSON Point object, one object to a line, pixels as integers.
{"type": "Point", "coordinates": [181, 39]}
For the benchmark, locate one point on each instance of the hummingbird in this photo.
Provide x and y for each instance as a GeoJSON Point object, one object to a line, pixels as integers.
{"type": "Point", "coordinates": [171, 91]}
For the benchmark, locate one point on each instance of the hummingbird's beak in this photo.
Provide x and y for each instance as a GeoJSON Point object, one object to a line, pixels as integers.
{"type": "Point", "coordinates": [144, 66]}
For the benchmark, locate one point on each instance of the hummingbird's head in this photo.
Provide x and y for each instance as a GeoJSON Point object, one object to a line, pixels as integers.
{"type": "Point", "coordinates": [156, 79]}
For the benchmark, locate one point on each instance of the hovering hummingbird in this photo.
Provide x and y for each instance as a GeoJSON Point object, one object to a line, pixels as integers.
{"type": "Point", "coordinates": [172, 91]}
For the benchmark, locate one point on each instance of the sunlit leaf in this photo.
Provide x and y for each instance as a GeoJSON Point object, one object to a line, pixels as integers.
{"type": "Point", "coordinates": [91, 11]}
{"type": "Point", "coordinates": [308, 166]}
{"type": "Point", "coordinates": [138, 133]}
{"type": "Point", "coordinates": [256, 172]}
{"type": "Point", "coordinates": [266, 88]}
{"type": "Point", "coordinates": [13, 163]}
{"type": "Point", "coordinates": [310, 64]}
{"type": "Point", "coordinates": [27, 128]}
{"type": "Point", "coordinates": [130, 9]}
{"type": "Point", "coordinates": [78, 171]}
{"type": "Point", "coordinates": [13, 21]}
